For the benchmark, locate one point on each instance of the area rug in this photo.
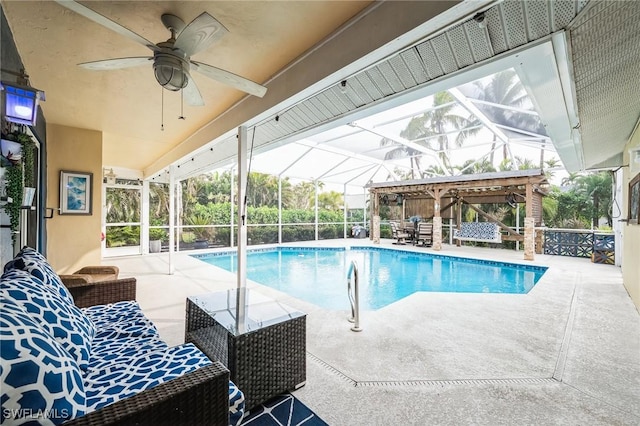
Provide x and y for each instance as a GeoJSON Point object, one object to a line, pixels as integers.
{"type": "Point", "coordinates": [283, 410]}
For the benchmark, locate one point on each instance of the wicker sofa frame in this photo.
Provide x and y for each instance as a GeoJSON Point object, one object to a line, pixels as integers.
{"type": "Point", "coordinates": [197, 398]}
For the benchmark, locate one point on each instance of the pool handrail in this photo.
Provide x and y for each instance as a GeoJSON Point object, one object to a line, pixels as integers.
{"type": "Point", "coordinates": [354, 296]}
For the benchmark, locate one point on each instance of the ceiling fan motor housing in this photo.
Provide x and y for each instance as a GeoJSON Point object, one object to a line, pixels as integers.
{"type": "Point", "coordinates": [170, 69]}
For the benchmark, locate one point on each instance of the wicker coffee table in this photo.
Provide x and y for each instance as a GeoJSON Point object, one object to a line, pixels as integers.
{"type": "Point", "coordinates": [264, 349]}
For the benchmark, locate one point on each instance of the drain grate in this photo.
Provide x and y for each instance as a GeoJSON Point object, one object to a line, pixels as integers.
{"type": "Point", "coordinates": [332, 369]}
{"type": "Point", "coordinates": [441, 383]}
{"type": "Point", "coordinates": [459, 382]}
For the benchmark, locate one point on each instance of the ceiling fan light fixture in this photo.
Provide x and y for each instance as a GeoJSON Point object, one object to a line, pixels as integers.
{"type": "Point", "coordinates": [170, 72]}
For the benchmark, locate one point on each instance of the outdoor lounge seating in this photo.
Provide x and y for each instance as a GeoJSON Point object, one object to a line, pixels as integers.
{"type": "Point", "coordinates": [89, 274]}
{"type": "Point", "coordinates": [400, 235]}
{"type": "Point", "coordinates": [424, 234]}
{"type": "Point", "coordinates": [486, 232]}
{"type": "Point", "coordinates": [67, 359]}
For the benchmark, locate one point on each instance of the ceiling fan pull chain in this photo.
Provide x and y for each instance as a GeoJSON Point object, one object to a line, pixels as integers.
{"type": "Point", "coordinates": [182, 105]}
{"type": "Point", "coordinates": [162, 110]}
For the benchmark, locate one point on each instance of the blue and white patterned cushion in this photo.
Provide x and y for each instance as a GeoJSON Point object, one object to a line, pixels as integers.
{"type": "Point", "coordinates": [105, 315]}
{"type": "Point", "coordinates": [123, 351]}
{"type": "Point", "coordinates": [66, 323]}
{"type": "Point", "coordinates": [41, 382]}
{"type": "Point", "coordinates": [236, 405]}
{"type": "Point", "coordinates": [478, 231]}
{"type": "Point", "coordinates": [123, 380]}
{"type": "Point", "coordinates": [120, 320]}
{"type": "Point", "coordinates": [100, 314]}
{"type": "Point", "coordinates": [35, 263]}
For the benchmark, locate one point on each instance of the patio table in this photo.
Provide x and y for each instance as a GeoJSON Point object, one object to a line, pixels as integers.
{"type": "Point", "coordinates": [265, 351]}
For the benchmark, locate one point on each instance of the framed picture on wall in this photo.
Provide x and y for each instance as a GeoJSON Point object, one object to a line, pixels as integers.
{"type": "Point", "coordinates": [75, 192]}
{"type": "Point", "coordinates": [634, 200]}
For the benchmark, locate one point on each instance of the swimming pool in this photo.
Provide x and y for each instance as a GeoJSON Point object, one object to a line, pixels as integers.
{"type": "Point", "coordinates": [318, 275]}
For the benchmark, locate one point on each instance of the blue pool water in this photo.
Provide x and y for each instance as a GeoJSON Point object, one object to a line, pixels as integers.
{"type": "Point", "coordinates": [318, 275]}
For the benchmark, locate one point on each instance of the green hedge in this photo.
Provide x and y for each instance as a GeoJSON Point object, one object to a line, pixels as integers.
{"type": "Point", "coordinates": [220, 214]}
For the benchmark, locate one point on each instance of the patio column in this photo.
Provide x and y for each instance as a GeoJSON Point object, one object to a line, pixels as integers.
{"type": "Point", "coordinates": [231, 225]}
{"type": "Point", "coordinates": [279, 209]}
{"type": "Point", "coordinates": [172, 217]}
{"type": "Point", "coordinates": [458, 218]}
{"type": "Point", "coordinates": [144, 237]}
{"type": "Point", "coordinates": [529, 222]}
{"type": "Point", "coordinates": [242, 230]}
{"type": "Point", "coordinates": [365, 221]}
{"type": "Point", "coordinates": [437, 221]}
{"type": "Point", "coordinates": [375, 218]}
{"type": "Point", "coordinates": [316, 209]}
{"type": "Point", "coordinates": [344, 210]}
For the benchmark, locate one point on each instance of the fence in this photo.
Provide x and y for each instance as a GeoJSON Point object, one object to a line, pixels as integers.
{"type": "Point", "coordinates": [598, 245]}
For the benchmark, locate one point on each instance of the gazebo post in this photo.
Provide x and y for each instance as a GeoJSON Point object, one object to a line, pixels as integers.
{"type": "Point", "coordinates": [458, 218]}
{"type": "Point", "coordinates": [529, 222]}
{"type": "Point", "coordinates": [375, 218]}
{"type": "Point", "coordinates": [437, 221]}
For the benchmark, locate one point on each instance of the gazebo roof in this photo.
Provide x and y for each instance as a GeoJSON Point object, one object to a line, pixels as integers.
{"type": "Point", "coordinates": [478, 188]}
{"type": "Point", "coordinates": [492, 178]}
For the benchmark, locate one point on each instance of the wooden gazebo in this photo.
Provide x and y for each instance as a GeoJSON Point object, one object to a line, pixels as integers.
{"type": "Point", "coordinates": [435, 197]}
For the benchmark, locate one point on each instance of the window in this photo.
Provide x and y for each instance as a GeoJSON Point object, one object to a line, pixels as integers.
{"type": "Point", "coordinates": [634, 200]}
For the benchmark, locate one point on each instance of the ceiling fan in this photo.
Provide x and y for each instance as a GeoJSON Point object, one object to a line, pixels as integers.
{"type": "Point", "coordinates": [171, 59]}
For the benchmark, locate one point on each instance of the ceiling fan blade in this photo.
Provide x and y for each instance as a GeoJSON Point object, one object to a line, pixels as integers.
{"type": "Point", "coordinates": [191, 93]}
{"type": "Point", "coordinates": [200, 34]}
{"type": "Point", "coordinates": [116, 64]}
{"type": "Point", "coordinates": [106, 22]}
{"type": "Point", "coordinates": [230, 79]}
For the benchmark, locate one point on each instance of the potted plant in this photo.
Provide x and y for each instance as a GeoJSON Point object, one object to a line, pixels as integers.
{"type": "Point", "coordinates": [156, 235]}
{"type": "Point", "coordinates": [201, 230]}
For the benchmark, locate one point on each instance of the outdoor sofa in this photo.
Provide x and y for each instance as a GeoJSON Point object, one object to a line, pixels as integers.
{"type": "Point", "coordinates": [85, 354]}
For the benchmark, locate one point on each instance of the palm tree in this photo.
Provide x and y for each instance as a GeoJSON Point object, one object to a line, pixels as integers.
{"type": "Point", "coordinates": [505, 89]}
{"type": "Point", "coordinates": [123, 205]}
{"type": "Point", "coordinates": [571, 179]}
{"type": "Point", "coordinates": [473, 167]}
{"type": "Point", "coordinates": [262, 190]}
{"type": "Point", "coordinates": [522, 164]}
{"type": "Point", "coordinates": [159, 203]}
{"type": "Point", "coordinates": [303, 196]}
{"type": "Point", "coordinates": [433, 125]}
{"type": "Point", "coordinates": [597, 188]}
{"type": "Point", "coordinates": [403, 151]}
{"type": "Point", "coordinates": [331, 200]}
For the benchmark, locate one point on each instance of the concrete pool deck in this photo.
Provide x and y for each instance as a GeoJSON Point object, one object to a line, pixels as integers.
{"type": "Point", "coordinates": [568, 352]}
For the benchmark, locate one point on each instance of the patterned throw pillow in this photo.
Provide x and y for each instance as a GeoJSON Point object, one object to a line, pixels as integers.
{"type": "Point", "coordinates": [35, 263]}
{"type": "Point", "coordinates": [66, 323]}
{"type": "Point", "coordinates": [41, 383]}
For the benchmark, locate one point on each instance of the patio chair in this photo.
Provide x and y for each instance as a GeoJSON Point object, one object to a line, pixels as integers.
{"type": "Point", "coordinates": [425, 234]}
{"type": "Point", "coordinates": [399, 235]}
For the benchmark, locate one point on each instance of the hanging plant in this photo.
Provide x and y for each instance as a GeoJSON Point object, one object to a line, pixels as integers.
{"type": "Point", "coordinates": [18, 175]}
{"type": "Point", "coordinates": [13, 174]}
{"type": "Point", "coordinates": [28, 148]}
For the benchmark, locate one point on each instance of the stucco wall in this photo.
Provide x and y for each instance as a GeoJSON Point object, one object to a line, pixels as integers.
{"type": "Point", "coordinates": [73, 241]}
{"type": "Point", "coordinates": [631, 233]}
